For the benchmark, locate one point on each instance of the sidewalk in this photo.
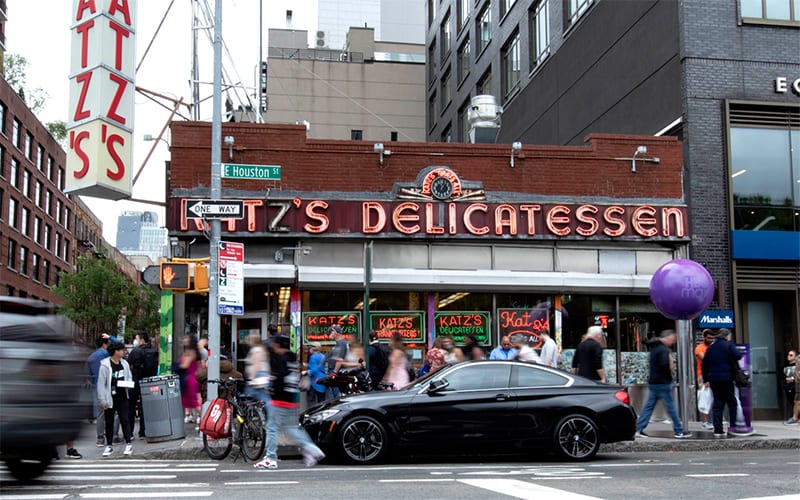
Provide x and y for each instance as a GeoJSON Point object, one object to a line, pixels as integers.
{"type": "Point", "coordinates": [768, 435]}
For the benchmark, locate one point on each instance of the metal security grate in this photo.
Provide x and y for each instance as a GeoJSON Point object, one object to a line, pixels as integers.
{"type": "Point", "coordinates": [741, 114]}
{"type": "Point", "coordinates": [767, 278]}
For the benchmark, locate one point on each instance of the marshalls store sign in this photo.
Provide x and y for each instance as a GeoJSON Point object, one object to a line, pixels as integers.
{"type": "Point", "coordinates": [101, 96]}
{"type": "Point", "coordinates": [716, 319]}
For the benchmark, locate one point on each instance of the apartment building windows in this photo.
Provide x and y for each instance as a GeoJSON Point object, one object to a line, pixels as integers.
{"type": "Point", "coordinates": [462, 13]}
{"type": "Point", "coordinates": [25, 221]}
{"type": "Point", "coordinates": [29, 146]}
{"type": "Point", "coordinates": [13, 175]}
{"type": "Point", "coordinates": [484, 85]}
{"type": "Point", "coordinates": [48, 202]}
{"type": "Point", "coordinates": [13, 221]}
{"type": "Point", "coordinates": [23, 260]}
{"type": "Point", "coordinates": [447, 133]}
{"type": "Point", "coordinates": [59, 208]}
{"type": "Point", "coordinates": [26, 183]}
{"type": "Point", "coordinates": [539, 33]}
{"type": "Point", "coordinates": [505, 6]}
{"type": "Point", "coordinates": [3, 114]}
{"type": "Point", "coordinates": [431, 111]}
{"type": "Point", "coordinates": [50, 164]}
{"type": "Point", "coordinates": [510, 60]}
{"type": "Point", "coordinates": [35, 266]}
{"type": "Point", "coordinates": [432, 62]}
{"type": "Point", "coordinates": [483, 28]}
{"type": "Point", "coordinates": [16, 134]}
{"type": "Point", "coordinates": [463, 121]}
{"type": "Point", "coordinates": [57, 249]}
{"type": "Point", "coordinates": [445, 37]}
{"type": "Point", "coordinates": [463, 60]}
{"type": "Point", "coordinates": [2, 161]}
{"type": "Point", "coordinates": [12, 254]}
{"type": "Point", "coordinates": [37, 230]}
{"type": "Point", "coordinates": [68, 214]}
{"type": "Point", "coordinates": [40, 158]}
{"type": "Point", "coordinates": [575, 9]}
{"type": "Point", "coordinates": [37, 194]}
{"type": "Point", "coordinates": [446, 89]}
{"type": "Point", "coordinates": [45, 272]}
{"type": "Point", "coordinates": [432, 10]}
{"type": "Point", "coordinates": [47, 231]}
{"type": "Point", "coordinates": [355, 135]}
{"type": "Point", "coordinates": [774, 10]}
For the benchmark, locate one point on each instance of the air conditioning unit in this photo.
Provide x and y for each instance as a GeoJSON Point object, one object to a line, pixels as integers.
{"type": "Point", "coordinates": [321, 40]}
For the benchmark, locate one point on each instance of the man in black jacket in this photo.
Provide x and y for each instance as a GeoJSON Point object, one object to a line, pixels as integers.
{"type": "Point", "coordinates": [660, 385]}
{"type": "Point", "coordinates": [143, 360]}
{"type": "Point", "coordinates": [718, 364]}
{"type": "Point", "coordinates": [284, 406]}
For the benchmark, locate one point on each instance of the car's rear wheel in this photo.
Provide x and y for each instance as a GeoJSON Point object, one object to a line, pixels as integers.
{"type": "Point", "coordinates": [363, 440]}
{"type": "Point", "coordinates": [577, 437]}
{"type": "Point", "coordinates": [29, 468]}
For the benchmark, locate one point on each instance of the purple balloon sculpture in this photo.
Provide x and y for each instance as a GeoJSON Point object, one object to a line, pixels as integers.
{"type": "Point", "coordinates": [681, 289]}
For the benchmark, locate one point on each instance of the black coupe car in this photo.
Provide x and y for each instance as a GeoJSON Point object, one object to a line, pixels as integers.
{"type": "Point", "coordinates": [476, 407]}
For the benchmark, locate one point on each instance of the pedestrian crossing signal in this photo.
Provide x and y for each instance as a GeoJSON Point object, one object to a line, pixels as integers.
{"type": "Point", "coordinates": [174, 276]}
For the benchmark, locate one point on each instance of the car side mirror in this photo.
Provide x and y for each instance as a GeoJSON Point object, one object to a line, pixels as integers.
{"type": "Point", "coordinates": [438, 385]}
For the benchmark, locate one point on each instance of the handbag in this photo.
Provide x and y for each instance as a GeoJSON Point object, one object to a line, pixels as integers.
{"type": "Point", "coordinates": [305, 383]}
{"type": "Point", "coordinates": [740, 378]}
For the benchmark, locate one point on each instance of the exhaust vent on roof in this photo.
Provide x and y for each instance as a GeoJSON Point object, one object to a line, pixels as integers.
{"type": "Point", "coordinates": [484, 119]}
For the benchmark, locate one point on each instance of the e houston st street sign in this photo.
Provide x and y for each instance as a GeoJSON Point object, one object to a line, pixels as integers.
{"type": "Point", "coordinates": [257, 172]}
{"type": "Point", "coordinates": [214, 209]}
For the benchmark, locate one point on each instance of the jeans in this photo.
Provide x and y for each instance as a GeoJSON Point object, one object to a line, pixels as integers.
{"type": "Point", "coordinates": [286, 420]}
{"type": "Point", "coordinates": [723, 395]}
{"type": "Point", "coordinates": [260, 394]}
{"type": "Point", "coordinates": [664, 393]}
{"type": "Point", "coordinates": [100, 418]}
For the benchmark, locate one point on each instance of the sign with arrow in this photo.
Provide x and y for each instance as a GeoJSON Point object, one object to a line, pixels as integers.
{"type": "Point", "coordinates": [214, 209]}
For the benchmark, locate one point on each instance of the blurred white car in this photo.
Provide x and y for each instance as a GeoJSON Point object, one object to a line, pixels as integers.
{"type": "Point", "coordinates": [42, 400]}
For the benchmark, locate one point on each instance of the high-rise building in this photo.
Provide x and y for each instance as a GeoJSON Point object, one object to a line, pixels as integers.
{"type": "Point", "coordinates": [139, 235]}
{"type": "Point", "coordinates": [723, 76]}
{"type": "Point", "coordinates": [393, 20]}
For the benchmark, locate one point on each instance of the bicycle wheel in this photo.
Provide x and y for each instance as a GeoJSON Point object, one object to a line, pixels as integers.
{"type": "Point", "coordinates": [217, 448]}
{"type": "Point", "coordinates": [253, 434]}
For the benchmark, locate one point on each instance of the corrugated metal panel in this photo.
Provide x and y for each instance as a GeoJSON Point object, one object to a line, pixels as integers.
{"type": "Point", "coordinates": [767, 278]}
{"type": "Point", "coordinates": [742, 114]}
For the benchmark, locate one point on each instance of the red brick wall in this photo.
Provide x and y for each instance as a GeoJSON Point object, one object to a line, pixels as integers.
{"type": "Point", "coordinates": [352, 166]}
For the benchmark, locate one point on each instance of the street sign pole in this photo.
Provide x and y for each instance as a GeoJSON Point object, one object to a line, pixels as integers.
{"type": "Point", "coordinates": [216, 193]}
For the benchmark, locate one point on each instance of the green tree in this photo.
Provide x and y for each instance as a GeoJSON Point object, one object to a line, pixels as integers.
{"type": "Point", "coordinates": [15, 73]}
{"type": "Point", "coordinates": [96, 293]}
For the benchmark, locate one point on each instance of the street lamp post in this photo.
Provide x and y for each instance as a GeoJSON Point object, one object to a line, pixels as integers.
{"type": "Point", "coordinates": [216, 193]}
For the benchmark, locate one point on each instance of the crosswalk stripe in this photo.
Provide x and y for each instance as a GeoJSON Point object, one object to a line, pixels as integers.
{"type": "Point", "coordinates": [256, 483]}
{"type": "Point", "coordinates": [34, 497]}
{"type": "Point", "coordinates": [116, 477]}
{"type": "Point", "coordinates": [154, 494]}
{"type": "Point", "coordinates": [524, 490]}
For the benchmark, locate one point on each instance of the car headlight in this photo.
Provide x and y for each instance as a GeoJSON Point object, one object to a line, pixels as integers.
{"type": "Point", "coordinates": [321, 416]}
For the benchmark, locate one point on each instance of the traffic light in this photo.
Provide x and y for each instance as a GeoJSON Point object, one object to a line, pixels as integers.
{"type": "Point", "coordinates": [174, 276]}
{"type": "Point", "coordinates": [200, 277]}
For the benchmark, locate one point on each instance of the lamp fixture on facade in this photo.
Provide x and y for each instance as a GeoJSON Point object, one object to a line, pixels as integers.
{"type": "Point", "coordinates": [229, 140]}
{"type": "Point", "coordinates": [516, 147]}
{"type": "Point", "coordinates": [150, 137]}
{"type": "Point", "coordinates": [279, 256]}
{"type": "Point", "coordinates": [378, 148]}
{"type": "Point", "coordinates": [638, 154]}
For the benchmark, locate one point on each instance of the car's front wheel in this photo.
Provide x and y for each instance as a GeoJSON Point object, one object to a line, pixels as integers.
{"type": "Point", "coordinates": [29, 468]}
{"type": "Point", "coordinates": [577, 437]}
{"type": "Point", "coordinates": [363, 440]}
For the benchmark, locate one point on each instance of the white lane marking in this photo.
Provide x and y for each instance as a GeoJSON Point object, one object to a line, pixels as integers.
{"type": "Point", "coordinates": [132, 471]}
{"type": "Point", "coordinates": [207, 464]}
{"type": "Point", "coordinates": [45, 487]}
{"type": "Point", "coordinates": [524, 490]}
{"type": "Point", "coordinates": [154, 494]}
{"type": "Point", "coordinates": [782, 497]}
{"type": "Point", "coordinates": [422, 480]}
{"type": "Point", "coordinates": [33, 497]}
{"type": "Point", "coordinates": [734, 474]}
{"type": "Point", "coordinates": [105, 478]}
{"type": "Point", "coordinates": [643, 464]}
{"type": "Point", "coordinates": [257, 483]}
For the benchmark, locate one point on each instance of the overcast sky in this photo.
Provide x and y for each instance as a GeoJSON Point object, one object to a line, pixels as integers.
{"type": "Point", "coordinates": [40, 31]}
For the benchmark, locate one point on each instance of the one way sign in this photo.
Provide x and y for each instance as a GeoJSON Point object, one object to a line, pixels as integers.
{"type": "Point", "coordinates": [214, 209]}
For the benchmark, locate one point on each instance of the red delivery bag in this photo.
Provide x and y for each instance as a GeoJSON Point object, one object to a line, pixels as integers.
{"type": "Point", "coordinates": [216, 422]}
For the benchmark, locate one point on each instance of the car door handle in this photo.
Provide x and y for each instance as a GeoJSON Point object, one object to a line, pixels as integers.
{"type": "Point", "coordinates": [503, 397]}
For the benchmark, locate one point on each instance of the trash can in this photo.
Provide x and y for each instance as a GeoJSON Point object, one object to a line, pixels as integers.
{"type": "Point", "coordinates": [161, 404]}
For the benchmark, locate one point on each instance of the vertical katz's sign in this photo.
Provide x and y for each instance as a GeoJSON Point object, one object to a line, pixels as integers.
{"type": "Point", "coordinates": [101, 94]}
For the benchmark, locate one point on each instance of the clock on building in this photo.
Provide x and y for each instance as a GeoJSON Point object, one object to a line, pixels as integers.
{"type": "Point", "coordinates": [441, 188]}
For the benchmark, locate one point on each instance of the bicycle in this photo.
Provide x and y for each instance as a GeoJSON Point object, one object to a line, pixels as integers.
{"type": "Point", "coordinates": [247, 426]}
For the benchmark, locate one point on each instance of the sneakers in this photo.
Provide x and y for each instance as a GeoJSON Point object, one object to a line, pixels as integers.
{"type": "Point", "coordinates": [311, 460]}
{"type": "Point", "coordinates": [265, 464]}
{"type": "Point", "coordinates": [719, 435]}
{"type": "Point", "coordinates": [73, 453]}
{"type": "Point", "coordinates": [128, 449]}
{"type": "Point", "coordinates": [108, 451]}
{"type": "Point", "coordinates": [707, 425]}
{"type": "Point", "coordinates": [790, 421]}
{"type": "Point", "coordinates": [682, 435]}
{"type": "Point", "coordinates": [641, 434]}
{"type": "Point", "coordinates": [100, 442]}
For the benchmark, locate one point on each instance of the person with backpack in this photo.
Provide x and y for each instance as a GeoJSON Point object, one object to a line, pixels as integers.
{"type": "Point", "coordinates": [143, 360]}
{"type": "Point", "coordinates": [378, 357]}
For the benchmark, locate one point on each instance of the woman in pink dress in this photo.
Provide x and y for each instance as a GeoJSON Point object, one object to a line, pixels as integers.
{"type": "Point", "coordinates": [190, 388]}
{"type": "Point", "coordinates": [397, 372]}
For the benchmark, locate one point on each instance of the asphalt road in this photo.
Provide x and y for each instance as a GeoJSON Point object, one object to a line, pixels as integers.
{"type": "Point", "coordinates": [746, 474]}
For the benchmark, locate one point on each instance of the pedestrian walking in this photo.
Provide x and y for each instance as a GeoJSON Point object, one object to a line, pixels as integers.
{"type": "Point", "coordinates": [659, 386]}
{"type": "Point", "coordinates": [188, 364]}
{"type": "Point", "coordinates": [549, 354]}
{"type": "Point", "coordinates": [316, 371]}
{"type": "Point", "coordinates": [143, 360]}
{"type": "Point", "coordinates": [113, 382]}
{"type": "Point", "coordinates": [397, 373]}
{"type": "Point", "coordinates": [704, 396]}
{"type": "Point", "coordinates": [92, 370]}
{"type": "Point", "coordinates": [588, 359]}
{"type": "Point", "coordinates": [337, 354]}
{"type": "Point", "coordinates": [257, 370]}
{"type": "Point", "coordinates": [283, 409]}
{"type": "Point", "coordinates": [789, 375]}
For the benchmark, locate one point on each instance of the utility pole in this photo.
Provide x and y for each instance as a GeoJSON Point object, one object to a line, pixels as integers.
{"type": "Point", "coordinates": [216, 194]}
